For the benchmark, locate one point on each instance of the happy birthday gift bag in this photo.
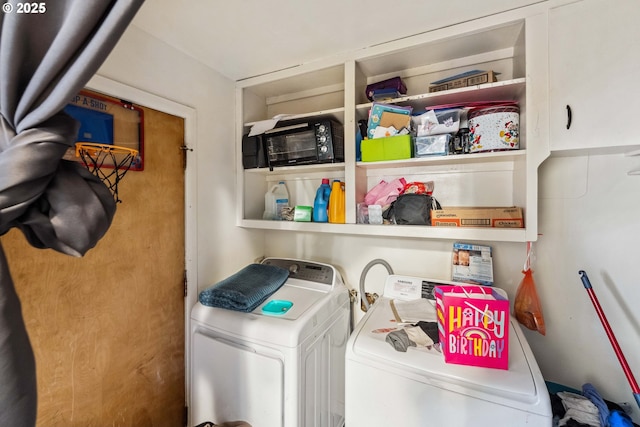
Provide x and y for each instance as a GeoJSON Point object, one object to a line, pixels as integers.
{"type": "Point", "coordinates": [473, 325]}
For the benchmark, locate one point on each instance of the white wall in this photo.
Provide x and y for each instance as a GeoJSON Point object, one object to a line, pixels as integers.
{"type": "Point", "coordinates": [142, 61]}
{"type": "Point", "coordinates": [589, 219]}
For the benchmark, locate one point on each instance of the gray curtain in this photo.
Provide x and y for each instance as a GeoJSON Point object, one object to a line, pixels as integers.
{"type": "Point", "coordinates": [45, 59]}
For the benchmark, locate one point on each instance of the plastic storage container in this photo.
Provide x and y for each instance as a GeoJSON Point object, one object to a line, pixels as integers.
{"type": "Point", "coordinates": [375, 214]}
{"type": "Point", "coordinates": [336, 203]}
{"type": "Point", "coordinates": [321, 202]}
{"type": "Point", "coordinates": [435, 145]}
{"type": "Point", "coordinates": [436, 122]}
{"type": "Point", "coordinates": [274, 200]}
{"type": "Point", "coordinates": [391, 148]}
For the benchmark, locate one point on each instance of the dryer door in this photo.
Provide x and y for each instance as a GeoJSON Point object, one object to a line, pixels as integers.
{"type": "Point", "coordinates": [233, 381]}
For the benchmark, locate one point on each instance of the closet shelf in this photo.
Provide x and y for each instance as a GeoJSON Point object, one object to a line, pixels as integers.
{"type": "Point", "coordinates": [405, 231]}
{"type": "Point", "coordinates": [336, 113]}
{"type": "Point", "coordinates": [462, 159]}
{"type": "Point", "coordinates": [508, 90]}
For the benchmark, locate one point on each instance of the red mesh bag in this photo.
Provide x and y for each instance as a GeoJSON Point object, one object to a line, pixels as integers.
{"type": "Point", "coordinates": [526, 306]}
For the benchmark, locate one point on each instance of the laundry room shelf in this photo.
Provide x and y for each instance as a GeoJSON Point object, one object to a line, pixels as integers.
{"type": "Point", "coordinates": [508, 90]}
{"type": "Point", "coordinates": [336, 113]}
{"type": "Point", "coordinates": [483, 158]}
{"type": "Point", "coordinates": [405, 231]}
{"type": "Point", "coordinates": [297, 170]}
{"type": "Point", "coordinates": [509, 44]}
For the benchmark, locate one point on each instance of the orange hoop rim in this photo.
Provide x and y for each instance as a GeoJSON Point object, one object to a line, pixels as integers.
{"type": "Point", "coordinates": [95, 147]}
{"type": "Point", "coordinates": [94, 155]}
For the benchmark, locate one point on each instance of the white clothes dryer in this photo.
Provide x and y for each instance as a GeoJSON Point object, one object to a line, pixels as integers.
{"type": "Point", "coordinates": [274, 370]}
{"type": "Point", "coordinates": [386, 387]}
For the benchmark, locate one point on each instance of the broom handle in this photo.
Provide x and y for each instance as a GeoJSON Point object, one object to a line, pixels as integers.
{"type": "Point", "coordinates": [612, 338]}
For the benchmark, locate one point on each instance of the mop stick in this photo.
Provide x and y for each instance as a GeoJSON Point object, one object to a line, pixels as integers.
{"type": "Point", "coordinates": [612, 338]}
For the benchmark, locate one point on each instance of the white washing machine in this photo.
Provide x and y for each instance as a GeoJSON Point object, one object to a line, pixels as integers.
{"type": "Point", "coordinates": [272, 370]}
{"type": "Point", "coordinates": [386, 387]}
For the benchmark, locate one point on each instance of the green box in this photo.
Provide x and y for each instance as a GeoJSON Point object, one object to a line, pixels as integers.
{"type": "Point", "coordinates": [390, 148]}
{"type": "Point", "coordinates": [302, 213]}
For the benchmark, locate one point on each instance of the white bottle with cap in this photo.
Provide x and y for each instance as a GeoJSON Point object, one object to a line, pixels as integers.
{"type": "Point", "coordinates": [274, 200]}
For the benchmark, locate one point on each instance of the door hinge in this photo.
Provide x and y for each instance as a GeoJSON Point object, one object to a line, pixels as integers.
{"type": "Point", "coordinates": [185, 283]}
{"type": "Point", "coordinates": [184, 148]}
{"type": "Point", "coordinates": [185, 416]}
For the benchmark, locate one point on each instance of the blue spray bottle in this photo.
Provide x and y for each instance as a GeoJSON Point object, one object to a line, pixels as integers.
{"type": "Point", "coordinates": [321, 202]}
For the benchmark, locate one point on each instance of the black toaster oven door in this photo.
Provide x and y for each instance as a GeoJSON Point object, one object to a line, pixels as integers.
{"type": "Point", "coordinates": [292, 148]}
{"type": "Point", "coordinates": [253, 152]}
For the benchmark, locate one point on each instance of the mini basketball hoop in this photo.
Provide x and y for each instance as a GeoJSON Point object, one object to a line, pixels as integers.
{"type": "Point", "coordinates": [108, 162]}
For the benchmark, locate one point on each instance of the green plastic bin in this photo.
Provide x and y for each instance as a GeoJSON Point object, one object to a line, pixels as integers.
{"type": "Point", "coordinates": [391, 148]}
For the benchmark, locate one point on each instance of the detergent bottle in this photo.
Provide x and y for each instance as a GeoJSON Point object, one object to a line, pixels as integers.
{"type": "Point", "coordinates": [321, 202]}
{"type": "Point", "coordinates": [336, 203]}
{"type": "Point", "coordinates": [274, 200]}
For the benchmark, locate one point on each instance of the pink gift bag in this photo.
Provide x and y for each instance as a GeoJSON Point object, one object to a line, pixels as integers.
{"type": "Point", "coordinates": [473, 325]}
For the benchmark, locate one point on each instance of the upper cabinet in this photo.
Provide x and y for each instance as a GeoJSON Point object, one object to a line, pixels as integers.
{"type": "Point", "coordinates": [594, 65]}
{"type": "Point", "coordinates": [513, 44]}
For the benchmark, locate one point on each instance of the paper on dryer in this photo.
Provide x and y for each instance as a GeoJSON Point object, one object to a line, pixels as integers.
{"type": "Point", "coordinates": [414, 311]}
{"type": "Point", "coordinates": [262, 126]}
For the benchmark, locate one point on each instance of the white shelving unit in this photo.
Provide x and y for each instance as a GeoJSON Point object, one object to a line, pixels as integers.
{"type": "Point", "coordinates": [512, 44]}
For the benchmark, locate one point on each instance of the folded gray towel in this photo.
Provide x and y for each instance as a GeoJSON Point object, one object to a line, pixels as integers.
{"type": "Point", "coordinates": [246, 289]}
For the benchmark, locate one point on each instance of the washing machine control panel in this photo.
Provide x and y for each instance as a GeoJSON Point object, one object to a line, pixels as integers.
{"type": "Point", "coordinates": [305, 270]}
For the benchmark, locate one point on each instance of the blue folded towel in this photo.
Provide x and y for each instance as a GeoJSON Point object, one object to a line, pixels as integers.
{"type": "Point", "coordinates": [590, 392]}
{"type": "Point", "coordinates": [246, 289]}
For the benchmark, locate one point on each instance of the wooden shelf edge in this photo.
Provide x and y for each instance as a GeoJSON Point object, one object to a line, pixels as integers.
{"type": "Point", "coordinates": [402, 231]}
{"type": "Point", "coordinates": [300, 169]}
{"type": "Point", "coordinates": [453, 93]}
{"type": "Point", "coordinates": [627, 150]}
{"type": "Point", "coordinates": [498, 156]}
{"type": "Point", "coordinates": [289, 117]}
{"type": "Point", "coordinates": [435, 96]}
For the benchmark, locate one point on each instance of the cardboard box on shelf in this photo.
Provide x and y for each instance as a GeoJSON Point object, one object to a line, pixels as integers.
{"type": "Point", "coordinates": [509, 217]}
{"type": "Point", "coordinates": [468, 80]}
{"type": "Point", "coordinates": [302, 213]}
{"type": "Point", "coordinates": [398, 121]}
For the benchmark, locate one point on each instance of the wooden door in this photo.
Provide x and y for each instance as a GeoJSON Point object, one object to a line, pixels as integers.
{"type": "Point", "coordinates": [108, 328]}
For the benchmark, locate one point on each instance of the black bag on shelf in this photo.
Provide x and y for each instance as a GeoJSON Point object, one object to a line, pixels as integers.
{"type": "Point", "coordinates": [412, 209]}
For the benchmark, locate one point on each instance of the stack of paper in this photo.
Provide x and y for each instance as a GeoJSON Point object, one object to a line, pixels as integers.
{"type": "Point", "coordinates": [414, 311]}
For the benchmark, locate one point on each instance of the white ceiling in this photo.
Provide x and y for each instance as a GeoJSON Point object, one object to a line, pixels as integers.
{"type": "Point", "coordinates": [245, 38]}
